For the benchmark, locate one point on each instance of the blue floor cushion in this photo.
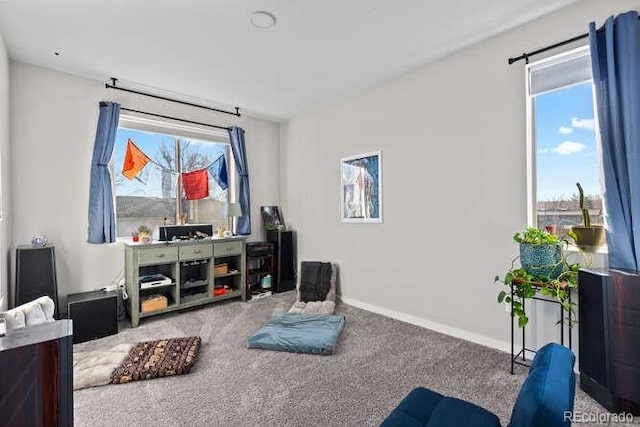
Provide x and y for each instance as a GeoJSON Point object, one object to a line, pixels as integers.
{"type": "Point", "coordinates": [299, 333]}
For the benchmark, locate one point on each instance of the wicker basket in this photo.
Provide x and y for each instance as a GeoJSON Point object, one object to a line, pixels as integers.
{"type": "Point", "coordinates": [153, 303]}
{"type": "Point", "coordinates": [220, 269]}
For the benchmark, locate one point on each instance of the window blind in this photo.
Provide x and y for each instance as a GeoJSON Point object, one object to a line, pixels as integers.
{"type": "Point", "coordinates": [561, 71]}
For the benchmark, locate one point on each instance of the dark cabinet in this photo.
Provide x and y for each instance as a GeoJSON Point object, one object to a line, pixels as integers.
{"type": "Point", "coordinates": [36, 384]}
{"type": "Point", "coordinates": [609, 322]}
{"type": "Point", "coordinates": [260, 269]}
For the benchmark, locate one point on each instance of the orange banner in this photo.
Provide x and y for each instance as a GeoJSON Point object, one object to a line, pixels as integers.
{"type": "Point", "coordinates": [134, 160]}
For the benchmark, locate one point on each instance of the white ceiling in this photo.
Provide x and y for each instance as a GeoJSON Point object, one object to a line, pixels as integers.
{"type": "Point", "coordinates": [318, 51]}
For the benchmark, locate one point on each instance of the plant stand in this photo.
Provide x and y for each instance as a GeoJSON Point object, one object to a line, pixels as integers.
{"type": "Point", "coordinates": [515, 358]}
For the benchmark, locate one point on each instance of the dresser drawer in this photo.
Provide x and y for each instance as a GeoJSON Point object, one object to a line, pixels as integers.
{"type": "Point", "coordinates": [227, 248]}
{"type": "Point", "coordinates": [157, 255]}
{"type": "Point", "coordinates": [196, 251]}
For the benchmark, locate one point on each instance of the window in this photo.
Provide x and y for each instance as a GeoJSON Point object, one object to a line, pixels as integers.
{"type": "Point", "coordinates": [156, 192]}
{"type": "Point", "coordinates": [563, 144]}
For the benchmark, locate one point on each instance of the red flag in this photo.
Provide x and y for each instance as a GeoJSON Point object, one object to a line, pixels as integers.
{"type": "Point", "coordinates": [134, 160]}
{"type": "Point", "coordinates": [196, 184]}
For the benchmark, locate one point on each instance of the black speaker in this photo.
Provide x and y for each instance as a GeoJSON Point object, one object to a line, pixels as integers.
{"type": "Point", "coordinates": [609, 324]}
{"type": "Point", "coordinates": [36, 274]}
{"type": "Point", "coordinates": [285, 269]}
{"type": "Point", "coordinates": [94, 315]}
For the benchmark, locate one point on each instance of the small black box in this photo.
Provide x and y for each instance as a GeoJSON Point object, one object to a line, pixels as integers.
{"type": "Point", "coordinates": [94, 314]}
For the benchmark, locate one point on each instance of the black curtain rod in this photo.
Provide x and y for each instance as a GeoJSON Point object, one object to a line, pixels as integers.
{"type": "Point", "coordinates": [526, 56]}
{"type": "Point", "coordinates": [175, 118]}
{"type": "Point", "coordinates": [544, 49]}
{"type": "Point", "coordinates": [164, 98]}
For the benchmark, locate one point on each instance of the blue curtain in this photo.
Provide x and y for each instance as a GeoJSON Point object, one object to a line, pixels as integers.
{"type": "Point", "coordinates": [102, 223]}
{"type": "Point", "coordinates": [615, 56]}
{"type": "Point", "coordinates": [236, 135]}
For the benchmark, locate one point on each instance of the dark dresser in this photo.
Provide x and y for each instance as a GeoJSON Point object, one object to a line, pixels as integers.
{"type": "Point", "coordinates": [36, 375]}
{"type": "Point", "coordinates": [609, 323]}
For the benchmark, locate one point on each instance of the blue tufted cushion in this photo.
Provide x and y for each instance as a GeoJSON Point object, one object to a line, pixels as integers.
{"type": "Point", "coordinates": [548, 391]}
{"type": "Point", "coordinates": [426, 408]}
{"type": "Point", "coordinates": [299, 333]}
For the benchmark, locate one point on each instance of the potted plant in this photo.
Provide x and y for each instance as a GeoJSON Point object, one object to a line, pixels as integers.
{"type": "Point", "coordinates": [543, 268]}
{"type": "Point", "coordinates": [540, 252]}
{"type": "Point", "coordinates": [143, 234]}
{"type": "Point", "coordinates": [588, 236]}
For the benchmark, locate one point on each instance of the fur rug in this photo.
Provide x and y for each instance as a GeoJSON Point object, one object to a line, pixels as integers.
{"type": "Point", "coordinates": [133, 362]}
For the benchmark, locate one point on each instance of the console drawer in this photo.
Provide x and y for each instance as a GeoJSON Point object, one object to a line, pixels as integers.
{"type": "Point", "coordinates": [227, 248]}
{"type": "Point", "coordinates": [196, 251]}
{"type": "Point", "coordinates": [157, 255]}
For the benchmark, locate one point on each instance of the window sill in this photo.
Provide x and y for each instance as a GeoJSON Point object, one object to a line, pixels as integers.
{"type": "Point", "coordinates": [590, 260]}
{"type": "Point", "coordinates": [604, 249]}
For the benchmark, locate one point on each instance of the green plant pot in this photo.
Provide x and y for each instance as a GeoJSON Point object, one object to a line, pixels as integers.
{"type": "Point", "coordinates": [589, 239]}
{"type": "Point", "coordinates": [541, 260]}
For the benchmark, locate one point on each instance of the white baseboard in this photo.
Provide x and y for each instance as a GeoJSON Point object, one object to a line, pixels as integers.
{"type": "Point", "coordinates": [434, 326]}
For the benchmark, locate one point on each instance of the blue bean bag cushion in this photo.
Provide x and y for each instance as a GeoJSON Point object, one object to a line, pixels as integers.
{"type": "Point", "coordinates": [299, 333]}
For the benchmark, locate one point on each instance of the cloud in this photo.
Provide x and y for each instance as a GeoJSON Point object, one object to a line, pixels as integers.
{"type": "Point", "coordinates": [565, 130]}
{"type": "Point", "coordinates": [583, 123]}
{"type": "Point", "coordinates": [543, 151]}
{"type": "Point", "coordinates": [569, 147]}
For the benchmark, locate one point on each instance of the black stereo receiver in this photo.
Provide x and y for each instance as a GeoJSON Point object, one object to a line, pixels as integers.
{"type": "Point", "coordinates": [185, 232]}
{"type": "Point", "coordinates": [259, 248]}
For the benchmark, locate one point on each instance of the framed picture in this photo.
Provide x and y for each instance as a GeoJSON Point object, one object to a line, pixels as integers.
{"type": "Point", "coordinates": [272, 218]}
{"type": "Point", "coordinates": [361, 191]}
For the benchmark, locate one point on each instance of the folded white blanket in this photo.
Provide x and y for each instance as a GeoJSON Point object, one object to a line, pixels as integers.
{"type": "Point", "coordinates": [33, 313]}
{"type": "Point", "coordinates": [94, 368]}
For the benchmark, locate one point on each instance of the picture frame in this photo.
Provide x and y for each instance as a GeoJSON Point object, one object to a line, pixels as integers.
{"type": "Point", "coordinates": [272, 218]}
{"type": "Point", "coordinates": [361, 188]}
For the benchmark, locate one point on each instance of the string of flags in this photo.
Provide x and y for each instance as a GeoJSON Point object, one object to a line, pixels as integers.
{"type": "Point", "coordinates": [195, 183]}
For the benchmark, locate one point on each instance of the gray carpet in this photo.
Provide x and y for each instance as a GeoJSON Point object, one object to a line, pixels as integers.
{"type": "Point", "coordinates": [377, 361]}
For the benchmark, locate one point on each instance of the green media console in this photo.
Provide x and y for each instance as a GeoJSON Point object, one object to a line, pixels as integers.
{"type": "Point", "coordinates": [162, 277]}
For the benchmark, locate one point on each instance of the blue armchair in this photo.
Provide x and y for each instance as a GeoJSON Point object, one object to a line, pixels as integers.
{"type": "Point", "coordinates": [544, 398]}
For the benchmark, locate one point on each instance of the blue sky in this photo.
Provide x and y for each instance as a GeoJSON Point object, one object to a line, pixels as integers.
{"type": "Point", "coordinates": [151, 174]}
{"type": "Point", "coordinates": [566, 143]}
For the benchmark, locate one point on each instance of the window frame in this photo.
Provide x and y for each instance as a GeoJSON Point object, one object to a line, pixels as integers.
{"type": "Point", "coordinates": [531, 152]}
{"type": "Point", "coordinates": [181, 131]}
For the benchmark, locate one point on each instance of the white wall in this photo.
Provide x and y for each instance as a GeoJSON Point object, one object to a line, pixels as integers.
{"type": "Point", "coordinates": [453, 140]}
{"type": "Point", "coordinates": [5, 229]}
{"type": "Point", "coordinates": [53, 124]}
